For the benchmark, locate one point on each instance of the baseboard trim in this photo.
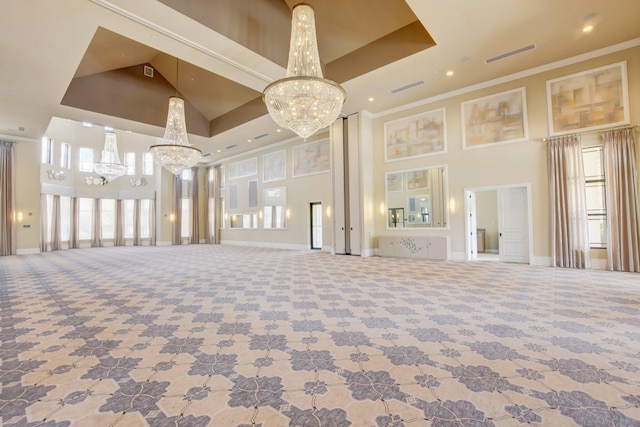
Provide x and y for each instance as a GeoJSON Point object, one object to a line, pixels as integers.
{"type": "Point", "coordinates": [163, 243]}
{"type": "Point", "coordinates": [27, 251]}
{"type": "Point", "coordinates": [272, 245]}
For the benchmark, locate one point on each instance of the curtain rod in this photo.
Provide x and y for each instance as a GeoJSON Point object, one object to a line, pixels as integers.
{"type": "Point", "coordinates": [549, 138]}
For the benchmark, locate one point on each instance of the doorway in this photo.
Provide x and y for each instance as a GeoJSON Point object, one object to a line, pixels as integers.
{"type": "Point", "coordinates": [316, 225]}
{"type": "Point", "coordinates": [498, 224]}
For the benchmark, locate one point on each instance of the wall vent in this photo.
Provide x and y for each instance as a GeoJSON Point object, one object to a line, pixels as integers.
{"type": "Point", "coordinates": [148, 71]}
{"type": "Point", "coordinates": [231, 146]}
{"type": "Point", "coordinates": [508, 54]}
{"type": "Point", "coordinates": [260, 136]}
{"type": "Point", "coordinates": [409, 86]}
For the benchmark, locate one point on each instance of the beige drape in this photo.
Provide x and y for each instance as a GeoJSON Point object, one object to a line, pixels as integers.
{"type": "Point", "coordinates": [569, 222]}
{"type": "Point", "coordinates": [195, 211]}
{"type": "Point", "coordinates": [55, 224]}
{"type": "Point", "coordinates": [177, 210]}
{"type": "Point", "coordinates": [119, 231]}
{"type": "Point", "coordinates": [152, 222]}
{"type": "Point", "coordinates": [96, 232]}
{"type": "Point", "coordinates": [7, 198]}
{"type": "Point", "coordinates": [75, 223]}
{"type": "Point", "coordinates": [137, 240]}
{"type": "Point", "coordinates": [623, 221]}
{"type": "Point", "coordinates": [209, 207]}
{"type": "Point", "coordinates": [44, 226]}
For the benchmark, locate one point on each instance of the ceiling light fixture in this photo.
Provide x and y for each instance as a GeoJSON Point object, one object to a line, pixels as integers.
{"type": "Point", "coordinates": [176, 154]}
{"type": "Point", "coordinates": [587, 29]}
{"type": "Point", "coordinates": [304, 101]}
{"type": "Point", "coordinates": [109, 166]}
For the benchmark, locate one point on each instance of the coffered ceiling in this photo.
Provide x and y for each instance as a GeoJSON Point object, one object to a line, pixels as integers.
{"type": "Point", "coordinates": [85, 60]}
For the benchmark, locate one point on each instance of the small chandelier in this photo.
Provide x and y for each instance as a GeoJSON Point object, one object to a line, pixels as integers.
{"type": "Point", "coordinates": [304, 101]}
{"type": "Point", "coordinates": [109, 165]}
{"type": "Point", "coordinates": [176, 154]}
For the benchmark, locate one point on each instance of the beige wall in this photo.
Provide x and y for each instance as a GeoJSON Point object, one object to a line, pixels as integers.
{"type": "Point", "coordinates": [499, 165]}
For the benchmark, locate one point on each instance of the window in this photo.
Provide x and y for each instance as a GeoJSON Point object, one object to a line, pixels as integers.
{"type": "Point", "coordinates": [253, 194]}
{"type": "Point", "coordinates": [186, 175]}
{"type": "Point", "coordinates": [129, 222]}
{"type": "Point", "coordinates": [147, 163]}
{"type": "Point", "coordinates": [186, 218]}
{"type": "Point", "coordinates": [130, 163]}
{"type": "Point", "coordinates": [65, 156]}
{"type": "Point", "coordinates": [108, 218]}
{"type": "Point", "coordinates": [595, 196]}
{"type": "Point", "coordinates": [85, 218]}
{"type": "Point", "coordinates": [47, 151]}
{"type": "Point", "coordinates": [65, 218]}
{"type": "Point", "coordinates": [145, 218]}
{"type": "Point", "coordinates": [85, 163]}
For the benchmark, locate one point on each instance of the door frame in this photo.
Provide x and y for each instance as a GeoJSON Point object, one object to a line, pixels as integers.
{"type": "Point", "coordinates": [527, 187]}
{"type": "Point", "coordinates": [311, 225]}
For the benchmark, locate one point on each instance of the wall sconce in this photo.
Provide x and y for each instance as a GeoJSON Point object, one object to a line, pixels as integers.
{"type": "Point", "coordinates": [95, 180]}
{"type": "Point", "coordinates": [328, 211]}
{"type": "Point", "coordinates": [383, 209]}
{"type": "Point", "coordinates": [138, 182]}
{"type": "Point", "coordinates": [452, 205]}
{"type": "Point", "coordinates": [260, 214]}
{"type": "Point", "coordinates": [19, 216]}
{"type": "Point", "coordinates": [56, 175]}
{"type": "Point", "coordinates": [172, 217]}
{"type": "Point", "coordinates": [288, 213]}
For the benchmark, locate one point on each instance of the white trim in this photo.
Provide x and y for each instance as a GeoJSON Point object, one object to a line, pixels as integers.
{"type": "Point", "coordinates": [598, 264]}
{"type": "Point", "coordinates": [458, 256]}
{"type": "Point", "coordinates": [163, 243]}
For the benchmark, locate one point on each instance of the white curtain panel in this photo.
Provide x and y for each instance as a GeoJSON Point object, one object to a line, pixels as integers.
{"type": "Point", "coordinates": [195, 209]}
{"type": "Point", "coordinates": [621, 180]}
{"type": "Point", "coordinates": [55, 224]}
{"type": "Point", "coordinates": [96, 232]}
{"type": "Point", "coordinates": [569, 226]}
{"type": "Point", "coordinates": [177, 210]}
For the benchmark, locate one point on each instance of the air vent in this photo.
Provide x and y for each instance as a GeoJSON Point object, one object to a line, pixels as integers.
{"type": "Point", "coordinates": [260, 136]}
{"type": "Point", "coordinates": [231, 146]}
{"type": "Point", "coordinates": [409, 86]}
{"type": "Point", "coordinates": [148, 71]}
{"type": "Point", "coordinates": [508, 54]}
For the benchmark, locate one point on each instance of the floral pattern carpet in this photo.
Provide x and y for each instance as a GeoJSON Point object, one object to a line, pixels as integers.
{"type": "Point", "coordinates": [210, 335]}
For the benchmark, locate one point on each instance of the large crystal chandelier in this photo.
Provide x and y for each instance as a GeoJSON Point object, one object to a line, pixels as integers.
{"type": "Point", "coordinates": [304, 101]}
{"type": "Point", "coordinates": [176, 154]}
{"type": "Point", "coordinates": [109, 165]}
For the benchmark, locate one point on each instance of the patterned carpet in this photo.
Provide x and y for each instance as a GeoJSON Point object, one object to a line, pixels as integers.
{"type": "Point", "coordinates": [231, 336]}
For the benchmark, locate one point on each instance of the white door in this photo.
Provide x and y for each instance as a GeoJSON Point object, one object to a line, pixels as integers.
{"type": "Point", "coordinates": [472, 231]}
{"type": "Point", "coordinates": [513, 224]}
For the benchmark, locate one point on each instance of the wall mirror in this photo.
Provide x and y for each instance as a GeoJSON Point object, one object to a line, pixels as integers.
{"type": "Point", "coordinates": [417, 198]}
{"type": "Point", "coordinates": [243, 221]}
{"type": "Point", "coordinates": [274, 208]}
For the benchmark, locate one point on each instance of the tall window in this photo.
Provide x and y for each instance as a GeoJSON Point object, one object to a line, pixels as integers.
{"type": "Point", "coordinates": [596, 196]}
{"type": "Point", "coordinates": [65, 156]}
{"type": "Point", "coordinates": [108, 218]}
{"type": "Point", "coordinates": [186, 218]}
{"type": "Point", "coordinates": [47, 151]}
{"type": "Point", "coordinates": [186, 175]}
{"type": "Point", "coordinates": [145, 218]}
{"type": "Point", "coordinates": [85, 218]}
{"type": "Point", "coordinates": [130, 163]}
{"type": "Point", "coordinates": [85, 163]}
{"type": "Point", "coordinates": [147, 163]}
{"type": "Point", "coordinates": [128, 207]}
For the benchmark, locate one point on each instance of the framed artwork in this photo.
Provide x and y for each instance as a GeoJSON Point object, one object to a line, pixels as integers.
{"type": "Point", "coordinates": [274, 166]}
{"type": "Point", "coordinates": [394, 182]}
{"type": "Point", "coordinates": [244, 168]}
{"type": "Point", "coordinates": [417, 180]}
{"type": "Point", "coordinates": [495, 119]}
{"type": "Point", "coordinates": [311, 158]}
{"type": "Point", "coordinates": [589, 100]}
{"type": "Point", "coordinates": [416, 136]}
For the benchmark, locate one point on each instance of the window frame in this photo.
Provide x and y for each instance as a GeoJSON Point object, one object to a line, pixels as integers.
{"type": "Point", "coordinates": [82, 163]}
{"type": "Point", "coordinates": [596, 213]}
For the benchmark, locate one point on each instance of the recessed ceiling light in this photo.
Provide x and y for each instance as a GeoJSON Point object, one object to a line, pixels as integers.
{"type": "Point", "coordinates": [278, 130]}
{"type": "Point", "coordinates": [87, 124]}
{"type": "Point", "coordinates": [219, 151]}
{"type": "Point", "coordinates": [108, 128]}
{"type": "Point", "coordinates": [587, 29]}
{"type": "Point", "coordinates": [248, 140]}
{"type": "Point", "coordinates": [371, 99]}
{"type": "Point", "coordinates": [449, 73]}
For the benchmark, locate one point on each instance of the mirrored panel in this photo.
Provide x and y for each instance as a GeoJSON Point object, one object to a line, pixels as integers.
{"type": "Point", "coordinates": [243, 221]}
{"type": "Point", "coordinates": [274, 208]}
{"type": "Point", "coordinates": [417, 198]}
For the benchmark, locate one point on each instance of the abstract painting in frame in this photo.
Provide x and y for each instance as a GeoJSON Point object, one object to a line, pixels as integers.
{"type": "Point", "coordinates": [590, 100]}
{"type": "Point", "coordinates": [495, 119]}
{"type": "Point", "coordinates": [244, 168]}
{"type": "Point", "coordinates": [274, 166]}
{"type": "Point", "coordinates": [417, 180]}
{"type": "Point", "coordinates": [311, 158]}
{"type": "Point", "coordinates": [421, 135]}
{"type": "Point", "coordinates": [394, 182]}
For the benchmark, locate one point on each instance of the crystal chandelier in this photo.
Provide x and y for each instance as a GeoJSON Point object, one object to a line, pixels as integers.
{"type": "Point", "coordinates": [304, 101]}
{"type": "Point", "coordinates": [109, 165]}
{"type": "Point", "coordinates": [176, 154]}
